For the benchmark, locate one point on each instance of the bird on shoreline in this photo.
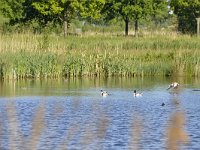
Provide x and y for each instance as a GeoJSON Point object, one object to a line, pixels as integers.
{"type": "Point", "coordinates": [104, 93]}
{"type": "Point", "coordinates": [173, 85]}
{"type": "Point", "coordinates": [135, 94]}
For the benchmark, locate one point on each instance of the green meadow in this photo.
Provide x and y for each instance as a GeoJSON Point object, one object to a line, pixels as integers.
{"type": "Point", "coordinates": [50, 56]}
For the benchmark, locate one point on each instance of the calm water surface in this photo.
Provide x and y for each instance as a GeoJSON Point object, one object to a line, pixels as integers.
{"type": "Point", "coordinates": [71, 114]}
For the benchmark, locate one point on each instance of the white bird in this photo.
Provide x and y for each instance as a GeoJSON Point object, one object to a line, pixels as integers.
{"type": "Point", "coordinates": [135, 94]}
{"type": "Point", "coordinates": [104, 93]}
{"type": "Point", "coordinates": [173, 85]}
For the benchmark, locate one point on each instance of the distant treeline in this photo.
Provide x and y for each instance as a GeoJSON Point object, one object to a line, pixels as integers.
{"type": "Point", "coordinates": [43, 13]}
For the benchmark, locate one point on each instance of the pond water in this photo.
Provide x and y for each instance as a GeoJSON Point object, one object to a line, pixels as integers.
{"type": "Point", "coordinates": [71, 114]}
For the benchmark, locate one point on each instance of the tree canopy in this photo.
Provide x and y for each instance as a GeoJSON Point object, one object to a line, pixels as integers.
{"type": "Point", "coordinates": [129, 11]}
{"type": "Point", "coordinates": [187, 11]}
{"type": "Point", "coordinates": [159, 11]}
{"type": "Point", "coordinates": [12, 9]}
{"type": "Point", "coordinates": [64, 11]}
{"type": "Point", "coordinates": [92, 9]}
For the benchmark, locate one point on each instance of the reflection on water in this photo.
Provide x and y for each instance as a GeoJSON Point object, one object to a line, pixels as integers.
{"type": "Point", "coordinates": [176, 134]}
{"type": "Point", "coordinates": [62, 115]}
{"type": "Point", "coordinates": [56, 86]}
{"type": "Point", "coordinates": [136, 134]}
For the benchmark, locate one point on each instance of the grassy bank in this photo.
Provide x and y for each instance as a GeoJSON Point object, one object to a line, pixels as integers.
{"type": "Point", "coordinates": [29, 55]}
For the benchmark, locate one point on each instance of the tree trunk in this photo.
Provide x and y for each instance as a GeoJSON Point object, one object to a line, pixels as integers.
{"type": "Point", "coordinates": [136, 27]}
{"type": "Point", "coordinates": [126, 27]}
{"type": "Point", "coordinates": [65, 24]}
{"type": "Point", "coordinates": [65, 28]}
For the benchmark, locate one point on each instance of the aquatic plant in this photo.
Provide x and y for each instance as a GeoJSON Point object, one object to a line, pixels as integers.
{"type": "Point", "coordinates": [38, 56]}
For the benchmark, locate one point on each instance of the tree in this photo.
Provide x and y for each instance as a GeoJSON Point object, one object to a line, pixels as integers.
{"type": "Point", "coordinates": [141, 9]}
{"type": "Point", "coordinates": [159, 11]}
{"type": "Point", "coordinates": [129, 10]}
{"type": "Point", "coordinates": [12, 9]}
{"type": "Point", "coordinates": [58, 10]}
{"type": "Point", "coordinates": [20, 11]}
{"type": "Point", "coordinates": [187, 11]}
{"type": "Point", "coordinates": [91, 9]}
{"type": "Point", "coordinates": [66, 10]}
{"type": "Point", "coordinates": [43, 11]}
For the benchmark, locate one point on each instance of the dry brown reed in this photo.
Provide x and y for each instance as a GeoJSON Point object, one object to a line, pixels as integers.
{"type": "Point", "coordinates": [72, 130]}
{"type": "Point", "coordinates": [176, 135]}
{"type": "Point", "coordinates": [38, 127]}
{"type": "Point", "coordinates": [15, 139]}
{"type": "Point", "coordinates": [95, 130]}
{"type": "Point", "coordinates": [102, 126]}
{"type": "Point", "coordinates": [136, 134]}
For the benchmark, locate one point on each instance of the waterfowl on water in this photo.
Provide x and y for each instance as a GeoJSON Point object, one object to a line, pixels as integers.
{"type": "Point", "coordinates": [163, 104]}
{"type": "Point", "coordinates": [173, 85]}
{"type": "Point", "coordinates": [135, 94]}
{"type": "Point", "coordinates": [104, 93]}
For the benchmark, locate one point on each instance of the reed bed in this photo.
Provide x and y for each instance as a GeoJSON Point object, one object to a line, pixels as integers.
{"type": "Point", "coordinates": [50, 56]}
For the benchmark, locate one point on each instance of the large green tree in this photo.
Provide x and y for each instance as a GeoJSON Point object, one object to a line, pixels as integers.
{"type": "Point", "coordinates": [92, 9]}
{"type": "Point", "coordinates": [12, 9]}
{"type": "Point", "coordinates": [66, 10]}
{"type": "Point", "coordinates": [60, 10]}
{"type": "Point", "coordinates": [187, 11]}
{"type": "Point", "coordinates": [20, 11]}
{"type": "Point", "coordinates": [128, 10]}
{"type": "Point", "coordinates": [159, 12]}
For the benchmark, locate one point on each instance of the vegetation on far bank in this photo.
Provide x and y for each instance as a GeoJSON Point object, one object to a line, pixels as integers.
{"type": "Point", "coordinates": [40, 14]}
{"type": "Point", "coordinates": [43, 56]}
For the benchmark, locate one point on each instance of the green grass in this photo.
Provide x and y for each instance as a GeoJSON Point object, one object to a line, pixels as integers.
{"type": "Point", "coordinates": [50, 56]}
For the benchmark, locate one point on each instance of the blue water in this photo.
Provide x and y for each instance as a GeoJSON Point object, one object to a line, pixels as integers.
{"type": "Point", "coordinates": [79, 118]}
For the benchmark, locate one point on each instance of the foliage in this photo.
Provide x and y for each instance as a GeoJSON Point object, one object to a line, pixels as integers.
{"type": "Point", "coordinates": [62, 11]}
{"type": "Point", "coordinates": [91, 9]}
{"type": "Point", "coordinates": [40, 14]}
{"type": "Point", "coordinates": [159, 11]}
{"type": "Point", "coordinates": [134, 10]}
{"type": "Point", "coordinates": [42, 56]}
{"type": "Point", "coordinates": [12, 9]}
{"type": "Point", "coordinates": [187, 12]}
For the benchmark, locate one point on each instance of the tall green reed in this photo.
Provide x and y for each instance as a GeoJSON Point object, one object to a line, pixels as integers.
{"type": "Point", "coordinates": [43, 56]}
